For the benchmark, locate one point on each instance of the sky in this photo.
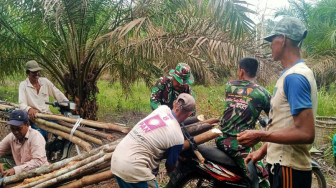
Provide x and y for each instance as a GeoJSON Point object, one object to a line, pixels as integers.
{"type": "Point", "coordinates": [266, 7]}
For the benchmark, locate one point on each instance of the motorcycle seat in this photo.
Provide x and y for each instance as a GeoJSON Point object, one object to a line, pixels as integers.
{"type": "Point", "coordinates": [216, 155]}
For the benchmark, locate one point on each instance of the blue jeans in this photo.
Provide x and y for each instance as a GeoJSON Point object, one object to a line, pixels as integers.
{"type": "Point", "coordinates": [141, 184]}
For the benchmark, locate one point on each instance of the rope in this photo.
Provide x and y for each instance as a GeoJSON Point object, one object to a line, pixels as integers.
{"type": "Point", "coordinates": [77, 124]}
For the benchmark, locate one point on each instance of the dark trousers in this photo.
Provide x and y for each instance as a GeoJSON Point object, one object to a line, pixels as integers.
{"type": "Point", "coordinates": [286, 177]}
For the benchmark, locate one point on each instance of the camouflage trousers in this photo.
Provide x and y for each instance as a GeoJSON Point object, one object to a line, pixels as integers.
{"type": "Point", "coordinates": [238, 153]}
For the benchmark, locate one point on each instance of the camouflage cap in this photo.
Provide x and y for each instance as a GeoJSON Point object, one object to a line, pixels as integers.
{"type": "Point", "coordinates": [291, 27]}
{"type": "Point", "coordinates": [182, 74]}
{"type": "Point", "coordinates": [32, 66]}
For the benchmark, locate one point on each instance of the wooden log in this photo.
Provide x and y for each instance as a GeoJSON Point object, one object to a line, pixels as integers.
{"type": "Point", "coordinates": [75, 172]}
{"type": "Point", "coordinates": [43, 178]}
{"type": "Point", "coordinates": [89, 180]}
{"type": "Point", "coordinates": [194, 119]}
{"type": "Point", "coordinates": [209, 121]}
{"type": "Point", "coordinates": [86, 146]}
{"type": "Point", "coordinates": [5, 107]}
{"type": "Point", "coordinates": [68, 130]}
{"type": "Point", "coordinates": [9, 104]}
{"type": "Point", "coordinates": [91, 123]}
{"type": "Point", "coordinates": [89, 131]}
{"type": "Point", "coordinates": [99, 168]}
{"type": "Point", "coordinates": [199, 128]}
{"type": "Point", "coordinates": [204, 137]}
{"type": "Point", "coordinates": [60, 164]}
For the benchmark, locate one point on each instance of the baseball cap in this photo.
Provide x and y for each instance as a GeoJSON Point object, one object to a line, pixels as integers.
{"type": "Point", "coordinates": [291, 27]}
{"type": "Point", "coordinates": [18, 117]}
{"type": "Point", "coordinates": [182, 74]}
{"type": "Point", "coordinates": [32, 66]}
{"type": "Point", "coordinates": [188, 101]}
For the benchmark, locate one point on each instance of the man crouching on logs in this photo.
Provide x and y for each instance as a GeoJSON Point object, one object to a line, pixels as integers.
{"type": "Point", "coordinates": [141, 150]}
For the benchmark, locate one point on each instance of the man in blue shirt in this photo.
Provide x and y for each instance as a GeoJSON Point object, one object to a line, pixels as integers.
{"type": "Point", "coordinates": [289, 137]}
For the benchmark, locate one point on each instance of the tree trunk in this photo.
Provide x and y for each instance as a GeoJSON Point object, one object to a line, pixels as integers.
{"type": "Point", "coordinates": [81, 88]}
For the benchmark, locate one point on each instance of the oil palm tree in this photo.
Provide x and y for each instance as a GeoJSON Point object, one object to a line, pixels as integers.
{"type": "Point", "coordinates": [77, 41]}
{"type": "Point", "coordinates": [320, 44]}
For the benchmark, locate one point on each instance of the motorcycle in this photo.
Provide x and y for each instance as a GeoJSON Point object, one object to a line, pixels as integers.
{"type": "Point", "coordinates": [220, 170]}
{"type": "Point", "coordinates": [57, 148]}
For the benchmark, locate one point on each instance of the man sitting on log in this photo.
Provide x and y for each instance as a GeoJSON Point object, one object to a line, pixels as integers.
{"type": "Point", "coordinates": [167, 88]}
{"type": "Point", "coordinates": [35, 91]}
{"type": "Point", "coordinates": [243, 103]}
{"type": "Point", "coordinates": [140, 151]}
{"type": "Point", "coordinates": [26, 145]}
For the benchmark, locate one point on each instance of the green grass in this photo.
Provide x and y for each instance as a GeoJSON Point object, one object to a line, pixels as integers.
{"type": "Point", "coordinates": [327, 101]}
{"type": "Point", "coordinates": [9, 89]}
{"type": "Point", "coordinates": [111, 99]}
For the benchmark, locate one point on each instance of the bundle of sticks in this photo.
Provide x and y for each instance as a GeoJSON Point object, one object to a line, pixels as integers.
{"type": "Point", "coordinates": [93, 165]}
{"type": "Point", "coordinates": [90, 133]}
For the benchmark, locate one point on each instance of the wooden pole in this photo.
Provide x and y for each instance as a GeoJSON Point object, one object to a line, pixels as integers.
{"type": "Point", "coordinates": [55, 166]}
{"type": "Point", "coordinates": [204, 137]}
{"type": "Point", "coordinates": [68, 130]}
{"type": "Point", "coordinates": [194, 119]}
{"type": "Point", "coordinates": [209, 121]}
{"type": "Point", "coordinates": [75, 172]}
{"type": "Point", "coordinates": [86, 146]}
{"type": "Point", "coordinates": [89, 180]}
{"type": "Point", "coordinates": [199, 128]}
{"type": "Point", "coordinates": [89, 131]}
{"type": "Point", "coordinates": [96, 124]}
{"type": "Point", "coordinates": [43, 178]}
{"type": "Point", "coordinates": [4, 107]}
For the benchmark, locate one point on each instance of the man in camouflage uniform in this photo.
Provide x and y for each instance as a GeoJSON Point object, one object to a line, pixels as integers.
{"type": "Point", "coordinates": [167, 88]}
{"type": "Point", "coordinates": [243, 104]}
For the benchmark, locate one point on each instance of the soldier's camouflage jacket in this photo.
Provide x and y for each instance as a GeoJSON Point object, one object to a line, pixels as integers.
{"type": "Point", "coordinates": [163, 93]}
{"type": "Point", "coordinates": [244, 102]}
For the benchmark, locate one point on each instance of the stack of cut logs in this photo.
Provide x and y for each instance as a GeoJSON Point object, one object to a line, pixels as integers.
{"type": "Point", "coordinates": [92, 166]}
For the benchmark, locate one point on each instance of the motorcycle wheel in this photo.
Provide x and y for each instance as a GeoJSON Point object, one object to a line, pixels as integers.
{"type": "Point", "coordinates": [318, 180]}
{"type": "Point", "coordinates": [196, 181]}
{"type": "Point", "coordinates": [72, 150]}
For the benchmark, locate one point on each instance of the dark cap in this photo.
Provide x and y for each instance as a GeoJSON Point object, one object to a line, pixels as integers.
{"type": "Point", "coordinates": [32, 66]}
{"type": "Point", "coordinates": [18, 117]}
{"type": "Point", "coordinates": [182, 74]}
{"type": "Point", "coordinates": [291, 27]}
{"type": "Point", "coordinates": [188, 103]}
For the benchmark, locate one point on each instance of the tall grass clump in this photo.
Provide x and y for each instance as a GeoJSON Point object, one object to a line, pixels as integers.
{"type": "Point", "coordinates": [327, 101]}
{"type": "Point", "coordinates": [112, 100]}
{"type": "Point", "coordinates": [9, 90]}
{"type": "Point", "coordinates": [210, 100]}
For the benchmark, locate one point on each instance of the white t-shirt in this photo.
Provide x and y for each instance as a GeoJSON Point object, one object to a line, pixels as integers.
{"type": "Point", "coordinates": [141, 150]}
